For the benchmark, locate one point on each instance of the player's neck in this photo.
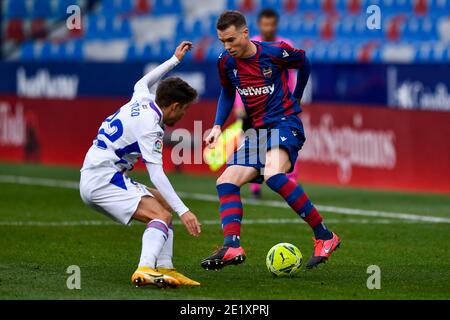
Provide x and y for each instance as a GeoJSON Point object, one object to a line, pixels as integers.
{"type": "Point", "coordinates": [250, 51]}
{"type": "Point", "coordinates": [268, 39]}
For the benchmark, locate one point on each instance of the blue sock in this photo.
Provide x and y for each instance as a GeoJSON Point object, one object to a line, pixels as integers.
{"type": "Point", "coordinates": [232, 241]}
{"type": "Point", "coordinates": [321, 232]}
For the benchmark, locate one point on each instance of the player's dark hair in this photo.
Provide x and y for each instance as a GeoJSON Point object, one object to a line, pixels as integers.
{"type": "Point", "coordinates": [268, 13]}
{"type": "Point", "coordinates": [174, 89]}
{"type": "Point", "coordinates": [231, 18]}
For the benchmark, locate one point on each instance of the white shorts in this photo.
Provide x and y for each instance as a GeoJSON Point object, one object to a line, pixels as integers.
{"type": "Point", "coordinates": [111, 193]}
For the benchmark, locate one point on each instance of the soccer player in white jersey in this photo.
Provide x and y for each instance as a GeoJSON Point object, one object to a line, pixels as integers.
{"type": "Point", "coordinates": [136, 130]}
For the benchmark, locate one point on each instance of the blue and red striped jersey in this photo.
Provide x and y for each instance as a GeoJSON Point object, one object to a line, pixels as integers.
{"type": "Point", "coordinates": [262, 80]}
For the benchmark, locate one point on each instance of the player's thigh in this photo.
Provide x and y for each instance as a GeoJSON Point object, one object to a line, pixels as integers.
{"type": "Point", "coordinates": [238, 175]}
{"type": "Point", "coordinates": [160, 198]}
{"type": "Point", "coordinates": [150, 208]}
{"type": "Point", "coordinates": [277, 161]}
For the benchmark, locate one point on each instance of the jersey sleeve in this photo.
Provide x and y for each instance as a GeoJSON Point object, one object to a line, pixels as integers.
{"type": "Point", "coordinates": [151, 146]}
{"type": "Point", "coordinates": [142, 87]}
{"type": "Point", "coordinates": [288, 56]}
{"type": "Point", "coordinates": [224, 80]}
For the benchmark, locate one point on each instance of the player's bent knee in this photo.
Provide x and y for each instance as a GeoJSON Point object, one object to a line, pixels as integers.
{"type": "Point", "coordinates": [226, 178]}
{"type": "Point", "coordinates": [149, 208]}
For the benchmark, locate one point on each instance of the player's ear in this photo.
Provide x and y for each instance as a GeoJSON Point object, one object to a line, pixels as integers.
{"type": "Point", "coordinates": [245, 32]}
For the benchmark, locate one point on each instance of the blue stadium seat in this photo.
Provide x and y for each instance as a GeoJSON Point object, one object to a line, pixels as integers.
{"type": "Point", "coordinates": [232, 4]}
{"type": "Point", "coordinates": [180, 33]}
{"type": "Point", "coordinates": [52, 51]}
{"type": "Point", "coordinates": [95, 26]}
{"type": "Point", "coordinates": [309, 5]}
{"type": "Point", "coordinates": [62, 5]}
{"type": "Point", "coordinates": [149, 52]}
{"type": "Point", "coordinates": [439, 52]}
{"type": "Point", "coordinates": [273, 4]}
{"type": "Point", "coordinates": [108, 7]}
{"type": "Point", "coordinates": [114, 28]}
{"type": "Point", "coordinates": [123, 29]}
{"type": "Point", "coordinates": [423, 52]}
{"type": "Point", "coordinates": [134, 53]}
{"type": "Point", "coordinates": [42, 9]}
{"type": "Point", "coordinates": [440, 6]}
{"type": "Point", "coordinates": [16, 9]}
{"type": "Point", "coordinates": [125, 6]}
{"type": "Point", "coordinates": [73, 50]}
{"type": "Point", "coordinates": [166, 7]}
{"type": "Point", "coordinates": [165, 48]}
{"type": "Point", "coordinates": [27, 51]}
{"type": "Point", "coordinates": [402, 5]}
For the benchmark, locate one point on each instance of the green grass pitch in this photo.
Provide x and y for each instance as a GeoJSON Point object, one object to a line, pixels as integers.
{"type": "Point", "coordinates": [42, 233]}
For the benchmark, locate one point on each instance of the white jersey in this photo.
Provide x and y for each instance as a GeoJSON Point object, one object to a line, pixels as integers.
{"type": "Point", "coordinates": [134, 131]}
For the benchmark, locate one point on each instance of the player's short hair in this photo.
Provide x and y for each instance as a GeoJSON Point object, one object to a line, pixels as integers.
{"type": "Point", "coordinates": [174, 89]}
{"type": "Point", "coordinates": [268, 13]}
{"type": "Point", "coordinates": [231, 18]}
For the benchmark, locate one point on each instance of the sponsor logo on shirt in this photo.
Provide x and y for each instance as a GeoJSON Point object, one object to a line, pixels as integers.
{"type": "Point", "coordinates": [251, 91]}
{"type": "Point", "coordinates": [267, 72]}
{"type": "Point", "coordinates": [158, 146]}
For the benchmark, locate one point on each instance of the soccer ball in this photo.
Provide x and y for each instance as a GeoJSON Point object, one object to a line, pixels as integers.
{"type": "Point", "coordinates": [284, 259]}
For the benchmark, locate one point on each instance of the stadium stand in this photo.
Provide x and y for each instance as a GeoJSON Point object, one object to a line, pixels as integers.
{"type": "Point", "coordinates": [331, 30]}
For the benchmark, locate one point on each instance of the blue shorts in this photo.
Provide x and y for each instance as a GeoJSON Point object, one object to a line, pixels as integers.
{"type": "Point", "coordinates": [288, 134]}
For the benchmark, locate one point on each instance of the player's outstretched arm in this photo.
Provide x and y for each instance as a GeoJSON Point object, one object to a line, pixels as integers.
{"type": "Point", "coordinates": [162, 183]}
{"type": "Point", "coordinates": [156, 74]}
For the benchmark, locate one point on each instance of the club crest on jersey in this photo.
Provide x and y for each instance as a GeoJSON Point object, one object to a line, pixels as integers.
{"type": "Point", "coordinates": [158, 146]}
{"type": "Point", "coordinates": [267, 72]}
{"type": "Point", "coordinates": [235, 72]}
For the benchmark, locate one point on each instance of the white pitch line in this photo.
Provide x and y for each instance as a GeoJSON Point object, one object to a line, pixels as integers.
{"type": "Point", "coordinates": [177, 222]}
{"type": "Point", "coordinates": [213, 198]}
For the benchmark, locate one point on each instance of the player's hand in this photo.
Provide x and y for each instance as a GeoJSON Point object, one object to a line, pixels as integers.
{"type": "Point", "coordinates": [182, 48]}
{"type": "Point", "coordinates": [239, 112]}
{"type": "Point", "coordinates": [192, 225]}
{"type": "Point", "coordinates": [213, 136]}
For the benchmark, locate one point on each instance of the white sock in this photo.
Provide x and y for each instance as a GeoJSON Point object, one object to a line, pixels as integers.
{"type": "Point", "coordinates": [153, 239]}
{"type": "Point", "coordinates": [165, 257]}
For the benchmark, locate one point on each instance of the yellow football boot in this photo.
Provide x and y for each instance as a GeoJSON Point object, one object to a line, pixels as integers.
{"type": "Point", "coordinates": [185, 281]}
{"type": "Point", "coordinates": [148, 276]}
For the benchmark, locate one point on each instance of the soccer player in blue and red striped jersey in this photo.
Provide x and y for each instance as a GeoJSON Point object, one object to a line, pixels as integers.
{"type": "Point", "coordinates": [258, 71]}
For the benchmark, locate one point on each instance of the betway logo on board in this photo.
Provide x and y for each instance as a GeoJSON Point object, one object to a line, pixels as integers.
{"type": "Point", "coordinates": [251, 91]}
{"type": "Point", "coordinates": [44, 85]}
